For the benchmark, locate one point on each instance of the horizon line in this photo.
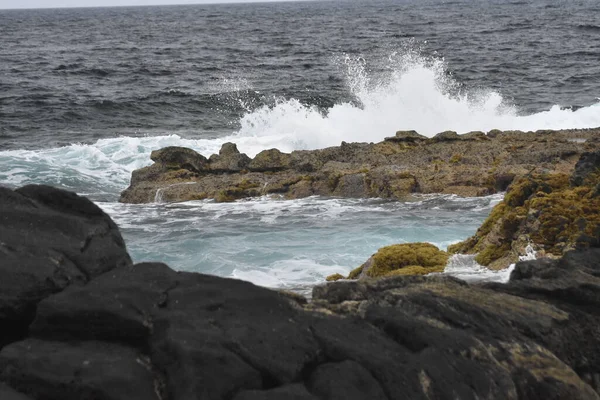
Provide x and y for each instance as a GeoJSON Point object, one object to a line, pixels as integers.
{"type": "Point", "coordinates": [195, 3]}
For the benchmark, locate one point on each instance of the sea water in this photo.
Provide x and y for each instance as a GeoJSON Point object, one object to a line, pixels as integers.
{"type": "Point", "coordinates": [87, 94]}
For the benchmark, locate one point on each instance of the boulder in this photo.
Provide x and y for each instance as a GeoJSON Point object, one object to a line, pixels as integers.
{"type": "Point", "coordinates": [269, 160]}
{"type": "Point", "coordinates": [7, 393]}
{"type": "Point", "coordinates": [406, 137]}
{"type": "Point", "coordinates": [49, 239]}
{"type": "Point", "coordinates": [401, 259]}
{"type": "Point", "coordinates": [175, 157]}
{"type": "Point", "coordinates": [229, 159]}
{"type": "Point", "coordinates": [358, 383]}
{"type": "Point", "coordinates": [447, 136]}
{"type": "Point", "coordinates": [571, 284]}
{"type": "Point", "coordinates": [74, 371]}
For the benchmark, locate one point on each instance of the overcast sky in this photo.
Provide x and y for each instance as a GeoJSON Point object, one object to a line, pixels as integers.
{"type": "Point", "coordinates": [106, 3]}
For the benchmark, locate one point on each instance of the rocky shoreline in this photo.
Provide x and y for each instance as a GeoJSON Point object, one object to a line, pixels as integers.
{"type": "Point", "coordinates": [548, 213]}
{"type": "Point", "coordinates": [472, 164]}
{"type": "Point", "coordinates": [80, 321]}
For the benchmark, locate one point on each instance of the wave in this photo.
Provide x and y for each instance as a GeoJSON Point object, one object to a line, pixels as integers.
{"type": "Point", "coordinates": [416, 93]}
{"type": "Point", "coordinates": [408, 91]}
{"type": "Point", "coordinates": [100, 170]}
{"type": "Point", "coordinates": [589, 27]}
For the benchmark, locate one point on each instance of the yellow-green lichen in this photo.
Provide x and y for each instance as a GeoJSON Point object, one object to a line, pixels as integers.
{"type": "Point", "coordinates": [335, 277]}
{"type": "Point", "coordinates": [455, 159]}
{"type": "Point", "coordinates": [355, 273]}
{"type": "Point", "coordinates": [245, 184]}
{"type": "Point", "coordinates": [415, 270]}
{"type": "Point", "coordinates": [418, 258]}
{"type": "Point", "coordinates": [546, 209]}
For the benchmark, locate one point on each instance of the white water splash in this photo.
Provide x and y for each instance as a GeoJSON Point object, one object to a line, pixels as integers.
{"type": "Point", "coordinates": [464, 266]}
{"type": "Point", "coordinates": [415, 93]}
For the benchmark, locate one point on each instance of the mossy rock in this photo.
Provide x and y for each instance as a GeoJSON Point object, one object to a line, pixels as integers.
{"type": "Point", "coordinates": [270, 160]}
{"type": "Point", "coordinates": [335, 277]}
{"type": "Point", "coordinates": [415, 270]}
{"type": "Point", "coordinates": [548, 210]}
{"type": "Point", "coordinates": [565, 217]}
{"type": "Point", "coordinates": [403, 259]}
{"type": "Point", "coordinates": [355, 273]}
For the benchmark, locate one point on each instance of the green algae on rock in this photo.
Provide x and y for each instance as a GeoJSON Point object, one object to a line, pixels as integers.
{"type": "Point", "coordinates": [400, 259]}
{"type": "Point", "coordinates": [552, 212]}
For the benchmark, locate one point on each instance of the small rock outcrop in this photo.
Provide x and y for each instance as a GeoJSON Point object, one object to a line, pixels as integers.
{"type": "Point", "coordinates": [553, 213]}
{"type": "Point", "coordinates": [270, 160]}
{"type": "Point", "coordinates": [229, 160]}
{"type": "Point", "coordinates": [175, 157]}
{"type": "Point", "coordinates": [472, 164]}
{"type": "Point", "coordinates": [400, 259]}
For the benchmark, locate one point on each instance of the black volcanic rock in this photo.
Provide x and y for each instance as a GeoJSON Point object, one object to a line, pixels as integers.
{"type": "Point", "coordinates": [145, 331]}
{"type": "Point", "coordinates": [74, 371]}
{"type": "Point", "coordinates": [7, 393]}
{"type": "Point", "coordinates": [49, 239]}
{"type": "Point", "coordinates": [588, 164]}
{"type": "Point", "coordinates": [357, 383]}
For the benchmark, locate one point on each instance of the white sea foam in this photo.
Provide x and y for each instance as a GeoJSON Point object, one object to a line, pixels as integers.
{"type": "Point", "coordinates": [415, 93]}
{"type": "Point", "coordinates": [464, 266]}
{"type": "Point", "coordinates": [293, 273]}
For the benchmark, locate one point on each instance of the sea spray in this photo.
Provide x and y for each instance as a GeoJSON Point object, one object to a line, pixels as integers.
{"type": "Point", "coordinates": [464, 266]}
{"type": "Point", "coordinates": [405, 91]}
{"type": "Point", "coordinates": [413, 92]}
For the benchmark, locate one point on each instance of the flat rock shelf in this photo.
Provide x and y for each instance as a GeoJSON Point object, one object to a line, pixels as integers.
{"type": "Point", "coordinates": [472, 164]}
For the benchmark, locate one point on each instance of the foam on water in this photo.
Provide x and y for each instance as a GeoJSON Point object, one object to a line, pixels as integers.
{"type": "Point", "coordinates": [99, 170]}
{"type": "Point", "coordinates": [412, 92]}
{"type": "Point", "coordinates": [291, 244]}
{"type": "Point", "coordinates": [464, 266]}
{"type": "Point", "coordinates": [416, 93]}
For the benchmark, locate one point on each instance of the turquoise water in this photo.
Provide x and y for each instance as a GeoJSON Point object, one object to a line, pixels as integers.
{"type": "Point", "coordinates": [290, 244]}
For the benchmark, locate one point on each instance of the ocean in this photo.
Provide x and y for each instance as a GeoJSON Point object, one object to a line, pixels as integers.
{"type": "Point", "coordinates": [86, 94]}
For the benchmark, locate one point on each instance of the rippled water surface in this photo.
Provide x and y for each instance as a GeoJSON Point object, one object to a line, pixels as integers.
{"type": "Point", "coordinates": [87, 94]}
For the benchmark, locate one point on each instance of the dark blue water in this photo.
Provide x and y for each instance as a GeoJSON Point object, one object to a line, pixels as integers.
{"type": "Point", "coordinates": [76, 75]}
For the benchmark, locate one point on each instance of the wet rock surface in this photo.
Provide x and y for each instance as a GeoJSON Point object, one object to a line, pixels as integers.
{"type": "Point", "coordinates": [145, 331]}
{"type": "Point", "coordinates": [551, 212]}
{"type": "Point", "coordinates": [472, 164]}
